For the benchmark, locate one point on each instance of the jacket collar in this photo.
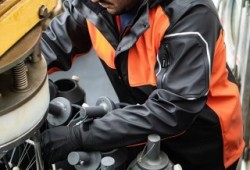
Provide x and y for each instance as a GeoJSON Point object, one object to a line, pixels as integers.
{"type": "Point", "coordinates": [97, 8]}
{"type": "Point", "coordinates": [153, 3]}
{"type": "Point", "coordinates": [105, 22]}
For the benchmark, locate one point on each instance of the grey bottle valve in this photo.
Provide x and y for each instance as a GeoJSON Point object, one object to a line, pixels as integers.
{"type": "Point", "coordinates": [108, 163]}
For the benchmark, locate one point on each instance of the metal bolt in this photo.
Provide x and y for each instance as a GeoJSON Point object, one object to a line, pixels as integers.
{"type": "Point", "coordinates": [177, 167]}
{"type": "Point", "coordinates": [76, 78]}
{"type": "Point", "coordinates": [82, 162]}
{"type": "Point", "coordinates": [43, 12]}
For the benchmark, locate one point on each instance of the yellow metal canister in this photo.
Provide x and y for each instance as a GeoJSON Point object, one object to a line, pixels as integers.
{"type": "Point", "coordinates": [17, 17]}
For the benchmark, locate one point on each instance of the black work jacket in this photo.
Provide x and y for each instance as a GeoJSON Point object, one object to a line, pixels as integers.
{"type": "Point", "coordinates": [189, 71]}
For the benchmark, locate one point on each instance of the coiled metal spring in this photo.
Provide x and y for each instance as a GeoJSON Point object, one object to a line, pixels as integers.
{"type": "Point", "coordinates": [20, 76]}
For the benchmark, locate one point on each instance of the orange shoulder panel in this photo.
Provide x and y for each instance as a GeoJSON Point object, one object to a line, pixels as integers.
{"type": "Point", "coordinates": [143, 55]}
{"type": "Point", "coordinates": [224, 100]}
{"type": "Point", "coordinates": [102, 47]}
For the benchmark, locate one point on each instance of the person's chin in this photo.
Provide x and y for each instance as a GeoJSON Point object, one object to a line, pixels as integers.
{"type": "Point", "coordinates": [114, 11]}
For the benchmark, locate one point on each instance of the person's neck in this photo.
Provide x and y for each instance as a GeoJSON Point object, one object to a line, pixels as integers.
{"type": "Point", "coordinates": [136, 6]}
{"type": "Point", "coordinates": [127, 18]}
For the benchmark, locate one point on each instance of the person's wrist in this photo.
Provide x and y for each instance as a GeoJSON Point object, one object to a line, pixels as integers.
{"type": "Point", "coordinates": [75, 136]}
{"type": "Point", "coordinates": [80, 136]}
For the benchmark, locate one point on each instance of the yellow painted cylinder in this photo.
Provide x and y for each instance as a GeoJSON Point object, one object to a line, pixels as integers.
{"type": "Point", "coordinates": [17, 17]}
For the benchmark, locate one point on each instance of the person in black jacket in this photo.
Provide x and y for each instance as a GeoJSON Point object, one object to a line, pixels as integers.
{"type": "Point", "coordinates": [167, 59]}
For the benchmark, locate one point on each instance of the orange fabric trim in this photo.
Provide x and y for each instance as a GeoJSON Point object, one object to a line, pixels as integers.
{"type": "Point", "coordinates": [224, 99]}
{"type": "Point", "coordinates": [143, 56]}
{"type": "Point", "coordinates": [77, 56]}
{"type": "Point", "coordinates": [53, 69]}
{"type": "Point", "coordinates": [102, 47]}
{"type": "Point", "coordinates": [143, 143]}
{"type": "Point", "coordinates": [118, 22]}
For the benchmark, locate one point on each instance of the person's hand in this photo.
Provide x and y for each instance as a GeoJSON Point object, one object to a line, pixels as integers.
{"type": "Point", "coordinates": [57, 143]}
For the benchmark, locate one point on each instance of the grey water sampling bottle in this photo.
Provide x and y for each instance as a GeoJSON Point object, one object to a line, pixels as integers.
{"type": "Point", "coordinates": [152, 158]}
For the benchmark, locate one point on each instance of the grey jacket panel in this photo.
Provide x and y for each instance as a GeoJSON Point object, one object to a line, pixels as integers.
{"type": "Point", "coordinates": [66, 36]}
{"type": "Point", "coordinates": [186, 53]}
